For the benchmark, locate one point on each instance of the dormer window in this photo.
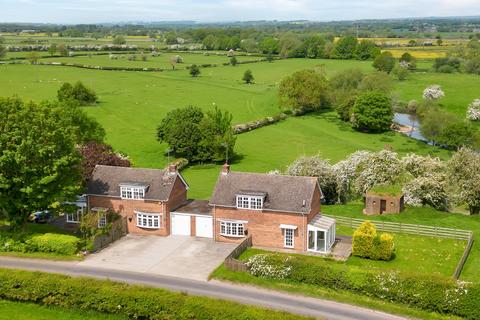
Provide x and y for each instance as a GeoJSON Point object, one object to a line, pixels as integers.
{"type": "Point", "coordinates": [132, 192]}
{"type": "Point", "coordinates": [250, 202]}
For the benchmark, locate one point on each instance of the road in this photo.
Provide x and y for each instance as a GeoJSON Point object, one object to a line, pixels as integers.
{"type": "Point", "coordinates": [295, 304]}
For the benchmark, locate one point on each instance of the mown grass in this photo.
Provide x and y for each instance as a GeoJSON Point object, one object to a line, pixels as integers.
{"type": "Point", "coordinates": [28, 311]}
{"type": "Point", "coordinates": [425, 216]}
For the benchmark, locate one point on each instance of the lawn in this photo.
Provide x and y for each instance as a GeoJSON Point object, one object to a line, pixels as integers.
{"type": "Point", "coordinates": [425, 216]}
{"type": "Point", "coordinates": [431, 255]}
{"type": "Point", "coordinates": [132, 104]}
{"type": "Point", "coordinates": [29, 311]}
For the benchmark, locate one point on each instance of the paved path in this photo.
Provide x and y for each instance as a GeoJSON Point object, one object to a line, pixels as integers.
{"type": "Point", "coordinates": [243, 294]}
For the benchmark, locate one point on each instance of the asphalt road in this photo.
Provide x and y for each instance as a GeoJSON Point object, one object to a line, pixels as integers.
{"type": "Point", "coordinates": [295, 304]}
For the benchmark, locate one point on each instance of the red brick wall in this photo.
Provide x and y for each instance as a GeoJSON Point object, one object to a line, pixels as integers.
{"type": "Point", "coordinates": [178, 195]}
{"type": "Point", "coordinates": [126, 209]}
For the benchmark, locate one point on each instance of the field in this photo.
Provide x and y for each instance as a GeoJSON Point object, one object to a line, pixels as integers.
{"type": "Point", "coordinates": [133, 103]}
{"type": "Point", "coordinates": [29, 311]}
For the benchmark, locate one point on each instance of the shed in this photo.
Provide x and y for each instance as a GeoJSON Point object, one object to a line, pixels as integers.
{"type": "Point", "coordinates": [377, 203]}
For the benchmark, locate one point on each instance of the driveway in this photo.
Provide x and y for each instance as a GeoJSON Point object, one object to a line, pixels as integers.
{"type": "Point", "coordinates": [176, 256]}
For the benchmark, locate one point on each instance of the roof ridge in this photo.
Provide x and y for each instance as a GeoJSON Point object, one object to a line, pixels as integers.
{"type": "Point", "coordinates": [273, 175]}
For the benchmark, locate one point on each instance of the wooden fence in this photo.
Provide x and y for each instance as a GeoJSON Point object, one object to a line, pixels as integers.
{"type": "Point", "coordinates": [231, 261]}
{"type": "Point", "coordinates": [416, 229]}
{"type": "Point", "coordinates": [461, 263]}
{"type": "Point", "coordinates": [119, 229]}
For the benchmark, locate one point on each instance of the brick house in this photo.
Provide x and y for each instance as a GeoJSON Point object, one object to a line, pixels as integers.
{"type": "Point", "coordinates": [281, 212]}
{"type": "Point", "coordinates": [277, 211]}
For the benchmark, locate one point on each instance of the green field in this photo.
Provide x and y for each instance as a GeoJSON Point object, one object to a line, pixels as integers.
{"type": "Point", "coordinates": [133, 103]}
{"type": "Point", "coordinates": [29, 311]}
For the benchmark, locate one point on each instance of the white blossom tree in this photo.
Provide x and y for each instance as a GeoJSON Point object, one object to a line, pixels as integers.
{"type": "Point", "coordinates": [345, 173]}
{"type": "Point", "coordinates": [315, 166]}
{"type": "Point", "coordinates": [473, 111]}
{"type": "Point", "coordinates": [433, 92]}
{"type": "Point", "coordinates": [464, 175]}
{"type": "Point", "coordinates": [427, 190]}
{"type": "Point", "coordinates": [419, 166]}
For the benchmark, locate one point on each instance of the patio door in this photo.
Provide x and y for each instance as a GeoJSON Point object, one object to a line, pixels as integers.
{"type": "Point", "coordinates": [317, 240]}
{"type": "Point", "coordinates": [321, 241]}
{"type": "Point", "coordinates": [311, 240]}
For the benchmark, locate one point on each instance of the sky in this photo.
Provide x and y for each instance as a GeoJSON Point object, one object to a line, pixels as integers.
{"type": "Point", "coordinates": [96, 11]}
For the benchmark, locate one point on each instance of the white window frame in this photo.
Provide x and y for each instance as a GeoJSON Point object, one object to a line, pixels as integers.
{"type": "Point", "coordinates": [147, 220]}
{"type": "Point", "coordinates": [75, 217]}
{"type": "Point", "coordinates": [249, 202]}
{"type": "Point", "coordinates": [102, 219]}
{"type": "Point", "coordinates": [232, 229]}
{"type": "Point", "coordinates": [132, 193]}
{"type": "Point", "coordinates": [287, 233]}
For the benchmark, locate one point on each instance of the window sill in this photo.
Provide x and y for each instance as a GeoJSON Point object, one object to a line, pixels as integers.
{"type": "Point", "coordinates": [232, 236]}
{"type": "Point", "coordinates": [143, 227]}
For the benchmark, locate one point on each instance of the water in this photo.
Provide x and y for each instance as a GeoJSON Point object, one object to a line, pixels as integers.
{"type": "Point", "coordinates": [411, 121]}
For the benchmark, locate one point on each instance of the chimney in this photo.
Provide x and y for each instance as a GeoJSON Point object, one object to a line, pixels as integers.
{"type": "Point", "coordinates": [225, 168]}
{"type": "Point", "coordinates": [172, 168]}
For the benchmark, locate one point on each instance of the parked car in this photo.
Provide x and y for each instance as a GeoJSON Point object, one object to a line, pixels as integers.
{"type": "Point", "coordinates": [40, 216]}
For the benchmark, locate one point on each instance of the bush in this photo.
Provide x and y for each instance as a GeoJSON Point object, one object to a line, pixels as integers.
{"type": "Point", "coordinates": [366, 243]}
{"type": "Point", "coordinates": [77, 92]}
{"type": "Point", "coordinates": [273, 266]}
{"type": "Point", "coordinates": [446, 69]}
{"type": "Point", "coordinates": [134, 302]}
{"type": "Point", "coordinates": [432, 293]}
{"type": "Point", "coordinates": [54, 243]}
{"type": "Point", "coordinates": [372, 111]}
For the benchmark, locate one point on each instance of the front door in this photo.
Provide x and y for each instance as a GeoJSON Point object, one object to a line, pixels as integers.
{"type": "Point", "coordinates": [383, 206]}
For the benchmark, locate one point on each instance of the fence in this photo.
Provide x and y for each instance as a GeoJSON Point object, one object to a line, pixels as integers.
{"type": "Point", "coordinates": [461, 263]}
{"type": "Point", "coordinates": [119, 229]}
{"type": "Point", "coordinates": [415, 229]}
{"type": "Point", "coordinates": [231, 261]}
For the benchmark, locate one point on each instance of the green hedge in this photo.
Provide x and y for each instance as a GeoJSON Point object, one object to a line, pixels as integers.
{"type": "Point", "coordinates": [431, 293]}
{"type": "Point", "coordinates": [133, 301]}
{"type": "Point", "coordinates": [48, 243]}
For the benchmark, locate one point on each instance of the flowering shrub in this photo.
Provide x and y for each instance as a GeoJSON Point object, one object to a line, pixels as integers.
{"type": "Point", "coordinates": [427, 190]}
{"type": "Point", "coordinates": [433, 92]}
{"type": "Point", "coordinates": [345, 172]}
{"type": "Point", "coordinates": [422, 165]}
{"type": "Point", "coordinates": [378, 168]}
{"type": "Point", "coordinates": [473, 111]}
{"type": "Point", "coordinates": [271, 266]}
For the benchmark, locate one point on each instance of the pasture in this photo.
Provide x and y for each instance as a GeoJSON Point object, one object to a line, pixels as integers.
{"type": "Point", "coordinates": [133, 103]}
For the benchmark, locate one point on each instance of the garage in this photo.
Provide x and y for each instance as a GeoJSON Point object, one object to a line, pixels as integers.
{"type": "Point", "coordinates": [180, 224]}
{"type": "Point", "coordinates": [204, 227]}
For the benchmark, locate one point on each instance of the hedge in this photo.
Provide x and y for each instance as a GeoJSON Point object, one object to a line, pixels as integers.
{"type": "Point", "coordinates": [48, 243]}
{"type": "Point", "coordinates": [431, 293]}
{"type": "Point", "coordinates": [136, 302]}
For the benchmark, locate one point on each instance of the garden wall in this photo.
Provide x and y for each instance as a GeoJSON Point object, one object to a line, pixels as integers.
{"type": "Point", "coordinates": [118, 230]}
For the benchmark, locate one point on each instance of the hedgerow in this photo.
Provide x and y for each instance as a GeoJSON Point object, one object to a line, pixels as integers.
{"type": "Point", "coordinates": [48, 243]}
{"type": "Point", "coordinates": [136, 302]}
{"type": "Point", "coordinates": [431, 293]}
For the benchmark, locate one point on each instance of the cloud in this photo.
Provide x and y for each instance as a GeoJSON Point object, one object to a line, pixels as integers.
{"type": "Point", "coordinates": [91, 11]}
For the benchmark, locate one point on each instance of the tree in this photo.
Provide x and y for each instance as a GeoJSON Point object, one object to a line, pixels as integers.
{"type": "Point", "coordinates": [367, 50]}
{"type": "Point", "coordinates": [194, 70]}
{"type": "Point", "coordinates": [315, 166]}
{"type": "Point", "coordinates": [174, 60]}
{"type": "Point", "coordinates": [3, 52]}
{"type": "Point", "coordinates": [400, 72]}
{"type": "Point", "coordinates": [304, 90]}
{"type": "Point", "coordinates": [94, 153]}
{"type": "Point", "coordinates": [197, 137]}
{"type": "Point", "coordinates": [376, 81]}
{"type": "Point", "coordinates": [346, 47]}
{"type": "Point", "coordinates": [408, 60]}
{"type": "Point", "coordinates": [52, 49]}
{"type": "Point", "coordinates": [433, 92]}
{"type": "Point", "coordinates": [62, 50]}
{"type": "Point", "coordinates": [233, 61]}
{"type": "Point", "coordinates": [313, 46]}
{"type": "Point", "coordinates": [39, 166]}
{"type": "Point", "coordinates": [33, 57]}
{"type": "Point", "coordinates": [384, 62]}
{"type": "Point", "coordinates": [346, 80]}
{"type": "Point", "coordinates": [86, 128]}
{"type": "Point", "coordinates": [77, 92]}
{"type": "Point", "coordinates": [464, 177]}
{"type": "Point", "coordinates": [248, 76]}
{"type": "Point", "coordinates": [269, 45]}
{"type": "Point", "coordinates": [433, 123]}
{"type": "Point", "coordinates": [458, 133]}
{"type": "Point", "coordinates": [372, 112]}
{"type": "Point", "coordinates": [289, 45]}
{"type": "Point", "coordinates": [119, 40]}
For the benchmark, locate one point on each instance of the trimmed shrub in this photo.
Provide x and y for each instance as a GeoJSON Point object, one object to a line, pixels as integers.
{"type": "Point", "coordinates": [135, 302]}
{"type": "Point", "coordinates": [273, 266]}
{"type": "Point", "coordinates": [366, 243]}
{"type": "Point", "coordinates": [54, 243]}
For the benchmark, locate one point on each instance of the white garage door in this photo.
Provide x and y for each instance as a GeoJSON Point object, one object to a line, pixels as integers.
{"type": "Point", "coordinates": [180, 224]}
{"type": "Point", "coordinates": [204, 227]}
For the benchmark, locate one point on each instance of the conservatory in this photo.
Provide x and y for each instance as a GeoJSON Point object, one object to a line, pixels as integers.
{"type": "Point", "coordinates": [321, 234]}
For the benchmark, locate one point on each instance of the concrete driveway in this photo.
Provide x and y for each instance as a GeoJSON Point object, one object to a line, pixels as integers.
{"type": "Point", "coordinates": [177, 256]}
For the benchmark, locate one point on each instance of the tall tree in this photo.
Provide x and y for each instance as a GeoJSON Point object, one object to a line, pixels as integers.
{"type": "Point", "coordinates": [384, 62]}
{"type": "Point", "coordinates": [464, 176]}
{"type": "Point", "coordinates": [345, 47]}
{"type": "Point", "coordinates": [39, 165]}
{"type": "Point", "coordinates": [94, 153]}
{"type": "Point", "coordinates": [372, 112]}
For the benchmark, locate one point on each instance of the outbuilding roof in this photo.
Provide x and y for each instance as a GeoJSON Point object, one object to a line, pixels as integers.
{"type": "Point", "coordinates": [106, 181]}
{"type": "Point", "coordinates": [321, 222]}
{"type": "Point", "coordinates": [281, 193]}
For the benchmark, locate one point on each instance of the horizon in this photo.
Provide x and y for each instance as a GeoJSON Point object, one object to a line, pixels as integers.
{"type": "Point", "coordinates": [227, 11]}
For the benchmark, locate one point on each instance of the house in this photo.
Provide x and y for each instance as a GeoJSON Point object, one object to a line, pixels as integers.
{"type": "Point", "coordinates": [280, 212]}
{"type": "Point", "coordinates": [144, 197]}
